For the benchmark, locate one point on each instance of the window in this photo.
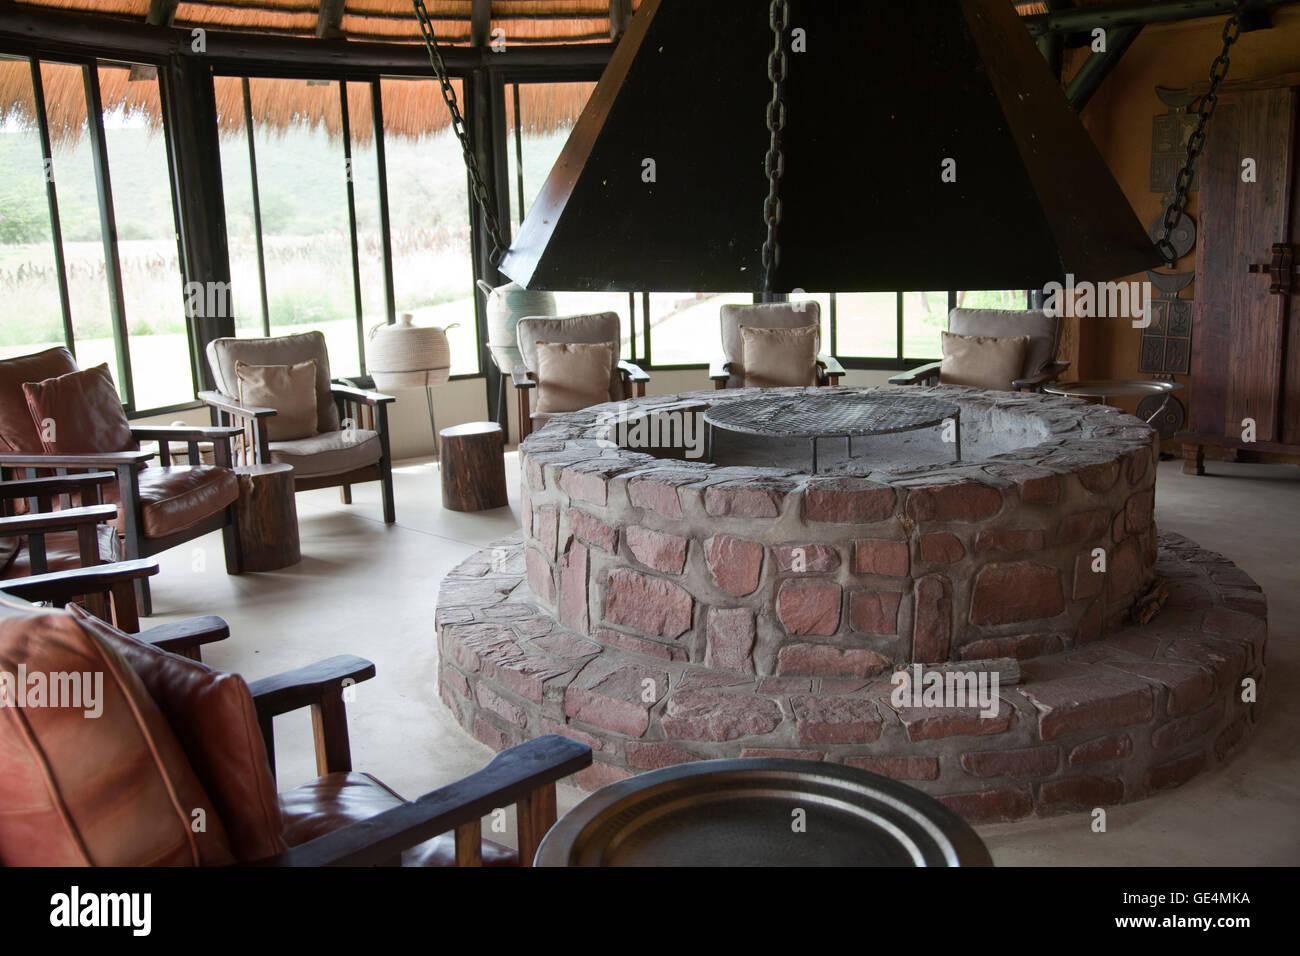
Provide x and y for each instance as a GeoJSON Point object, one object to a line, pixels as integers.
{"type": "Point", "coordinates": [88, 252]}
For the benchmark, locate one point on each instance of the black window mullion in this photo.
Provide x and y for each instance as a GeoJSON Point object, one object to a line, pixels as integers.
{"type": "Point", "coordinates": [898, 331]}
{"type": "Point", "coordinates": [257, 208]}
{"type": "Point", "coordinates": [631, 325]}
{"type": "Point", "coordinates": [108, 229]}
{"type": "Point", "coordinates": [381, 163]}
{"type": "Point", "coordinates": [52, 199]}
{"type": "Point", "coordinates": [645, 326]}
{"type": "Point", "coordinates": [519, 155]}
{"type": "Point", "coordinates": [352, 224]}
{"type": "Point", "coordinates": [835, 325]}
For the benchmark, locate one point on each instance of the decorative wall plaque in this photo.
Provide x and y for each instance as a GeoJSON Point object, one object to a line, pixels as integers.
{"type": "Point", "coordinates": [1166, 347]}
{"type": "Point", "coordinates": [1169, 134]}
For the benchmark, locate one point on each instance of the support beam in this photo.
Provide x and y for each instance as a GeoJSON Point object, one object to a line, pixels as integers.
{"type": "Point", "coordinates": [620, 15]}
{"type": "Point", "coordinates": [162, 12]}
{"type": "Point", "coordinates": [1086, 18]}
{"type": "Point", "coordinates": [1098, 66]}
{"type": "Point", "coordinates": [480, 23]}
{"type": "Point", "coordinates": [329, 23]}
{"type": "Point", "coordinates": [1051, 45]}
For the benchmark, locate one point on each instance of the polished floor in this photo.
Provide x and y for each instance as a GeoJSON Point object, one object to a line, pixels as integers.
{"type": "Point", "coordinates": [363, 588]}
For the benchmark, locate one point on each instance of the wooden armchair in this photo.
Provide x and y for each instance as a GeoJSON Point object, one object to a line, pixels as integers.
{"type": "Point", "coordinates": [625, 381]}
{"type": "Point", "coordinates": [199, 721]}
{"type": "Point", "coordinates": [157, 506]}
{"type": "Point", "coordinates": [1044, 331]}
{"type": "Point", "coordinates": [729, 371]}
{"type": "Point", "coordinates": [351, 445]}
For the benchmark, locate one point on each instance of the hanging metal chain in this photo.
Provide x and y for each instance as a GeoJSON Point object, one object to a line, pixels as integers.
{"type": "Point", "coordinates": [774, 165]}
{"type": "Point", "coordinates": [479, 187]}
{"type": "Point", "coordinates": [1196, 141]}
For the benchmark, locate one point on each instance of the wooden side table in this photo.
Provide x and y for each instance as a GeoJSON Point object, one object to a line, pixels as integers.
{"type": "Point", "coordinates": [268, 517]}
{"type": "Point", "coordinates": [473, 467]}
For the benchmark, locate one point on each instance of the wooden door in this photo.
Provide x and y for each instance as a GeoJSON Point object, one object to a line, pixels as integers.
{"type": "Point", "coordinates": [1239, 344]}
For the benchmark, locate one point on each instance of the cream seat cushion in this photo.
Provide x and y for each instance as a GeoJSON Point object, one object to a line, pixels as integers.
{"type": "Point", "coordinates": [982, 361]}
{"type": "Point", "coordinates": [329, 453]}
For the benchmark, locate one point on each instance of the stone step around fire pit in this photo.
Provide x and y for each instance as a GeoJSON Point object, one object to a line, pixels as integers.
{"type": "Point", "coordinates": [1106, 722]}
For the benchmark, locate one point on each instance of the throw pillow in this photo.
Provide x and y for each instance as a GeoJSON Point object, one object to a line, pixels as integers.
{"type": "Point", "coordinates": [776, 358]}
{"type": "Point", "coordinates": [289, 389]}
{"type": "Point", "coordinates": [573, 375]}
{"type": "Point", "coordinates": [982, 361]}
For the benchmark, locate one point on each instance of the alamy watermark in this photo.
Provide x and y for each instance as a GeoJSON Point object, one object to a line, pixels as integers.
{"type": "Point", "coordinates": [915, 686]}
{"type": "Point", "coordinates": [1101, 300]}
{"type": "Point", "coordinates": [74, 690]}
{"type": "Point", "coordinates": [675, 429]}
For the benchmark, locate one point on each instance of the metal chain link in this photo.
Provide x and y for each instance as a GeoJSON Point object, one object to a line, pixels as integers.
{"type": "Point", "coordinates": [1196, 141]}
{"type": "Point", "coordinates": [478, 186]}
{"type": "Point", "coordinates": [774, 164]}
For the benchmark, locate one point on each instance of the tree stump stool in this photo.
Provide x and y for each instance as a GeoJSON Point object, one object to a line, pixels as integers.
{"type": "Point", "coordinates": [268, 517]}
{"type": "Point", "coordinates": [473, 467]}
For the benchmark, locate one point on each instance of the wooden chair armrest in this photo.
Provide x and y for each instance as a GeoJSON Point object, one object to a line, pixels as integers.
{"type": "Point", "coordinates": [60, 587]}
{"type": "Point", "coordinates": [185, 432]}
{"type": "Point", "coordinates": [1050, 373]}
{"type": "Point", "coordinates": [320, 687]}
{"type": "Point", "coordinates": [233, 406]}
{"type": "Point", "coordinates": [53, 485]}
{"type": "Point", "coordinates": [514, 775]}
{"type": "Point", "coordinates": [522, 377]}
{"type": "Point", "coordinates": [719, 371]}
{"type": "Point", "coordinates": [186, 637]}
{"type": "Point", "coordinates": [108, 459]}
{"type": "Point", "coordinates": [50, 522]}
{"type": "Point", "coordinates": [360, 395]}
{"type": "Point", "coordinates": [917, 375]}
{"type": "Point", "coordinates": [633, 373]}
{"type": "Point", "coordinates": [831, 364]}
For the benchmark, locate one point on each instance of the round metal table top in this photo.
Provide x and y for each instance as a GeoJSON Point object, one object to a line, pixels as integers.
{"type": "Point", "coordinates": [1100, 388]}
{"type": "Point", "coordinates": [813, 416]}
{"type": "Point", "coordinates": [761, 812]}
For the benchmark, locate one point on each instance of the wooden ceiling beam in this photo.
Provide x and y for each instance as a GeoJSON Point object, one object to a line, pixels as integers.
{"type": "Point", "coordinates": [162, 12]}
{"type": "Point", "coordinates": [330, 21]}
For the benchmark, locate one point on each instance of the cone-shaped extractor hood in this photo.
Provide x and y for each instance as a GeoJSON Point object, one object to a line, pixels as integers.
{"type": "Point", "coordinates": [883, 94]}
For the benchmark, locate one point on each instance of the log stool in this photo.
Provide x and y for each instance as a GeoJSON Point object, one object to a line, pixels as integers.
{"type": "Point", "coordinates": [473, 467]}
{"type": "Point", "coordinates": [268, 517]}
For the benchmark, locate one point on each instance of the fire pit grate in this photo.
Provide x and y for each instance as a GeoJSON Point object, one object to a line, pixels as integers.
{"type": "Point", "coordinates": [832, 416]}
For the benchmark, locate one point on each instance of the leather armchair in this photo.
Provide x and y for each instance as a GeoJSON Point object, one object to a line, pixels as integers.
{"type": "Point", "coordinates": [729, 371]}
{"type": "Point", "coordinates": [203, 741]}
{"type": "Point", "coordinates": [1044, 331]}
{"type": "Point", "coordinates": [336, 456]}
{"type": "Point", "coordinates": [158, 506]}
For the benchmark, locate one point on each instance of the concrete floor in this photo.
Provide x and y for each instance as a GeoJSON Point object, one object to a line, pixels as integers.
{"type": "Point", "coordinates": [363, 588]}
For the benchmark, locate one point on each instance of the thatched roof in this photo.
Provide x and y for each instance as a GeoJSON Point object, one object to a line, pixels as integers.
{"type": "Point", "coordinates": [412, 108]}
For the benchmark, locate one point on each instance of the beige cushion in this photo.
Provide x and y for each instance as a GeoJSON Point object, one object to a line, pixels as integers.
{"type": "Point", "coordinates": [1043, 330]}
{"type": "Point", "coordinates": [572, 375]}
{"type": "Point", "coordinates": [982, 361]}
{"type": "Point", "coordinates": [289, 389]}
{"type": "Point", "coordinates": [766, 315]}
{"type": "Point", "coordinates": [774, 358]}
{"type": "Point", "coordinates": [277, 350]}
{"type": "Point", "coordinates": [594, 328]}
{"type": "Point", "coordinates": [329, 453]}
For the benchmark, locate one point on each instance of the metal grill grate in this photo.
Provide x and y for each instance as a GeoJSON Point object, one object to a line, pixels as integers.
{"type": "Point", "coordinates": [819, 416]}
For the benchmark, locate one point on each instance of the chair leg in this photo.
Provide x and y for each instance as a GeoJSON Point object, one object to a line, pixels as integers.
{"type": "Point", "coordinates": [345, 494]}
{"type": "Point", "coordinates": [386, 491]}
{"type": "Point", "coordinates": [143, 599]}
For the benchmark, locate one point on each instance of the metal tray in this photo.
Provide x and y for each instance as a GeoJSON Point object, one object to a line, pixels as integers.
{"type": "Point", "coordinates": [743, 813]}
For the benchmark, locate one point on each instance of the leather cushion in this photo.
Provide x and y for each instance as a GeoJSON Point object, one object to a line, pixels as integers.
{"type": "Point", "coordinates": [289, 389]}
{"type": "Point", "coordinates": [277, 350]}
{"type": "Point", "coordinates": [775, 358]}
{"type": "Point", "coordinates": [330, 453]}
{"type": "Point", "coordinates": [63, 552]}
{"type": "Point", "coordinates": [17, 431]}
{"type": "Point", "coordinates": [83, 412]}
{"type": "Point", "coordinates": [112, 790]}
{"type": "Point", "coordinates": [1043, 331]}
{"type": "Point", "coordinates": [980, 361]}
{"type": "Point", "coordinates": [179, 496]}
{"type": "Point", "coordinates": [337, 799]}
{"type": "Point", "coordinates": [572, 375]}
{"type": "Point", "coordinates": [595, 327]}
{"type": "Point", "coordinates": [213, 716]}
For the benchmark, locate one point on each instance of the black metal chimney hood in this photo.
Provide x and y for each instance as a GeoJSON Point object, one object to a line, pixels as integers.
{"type": "Point", "coordinates": [884, 93]}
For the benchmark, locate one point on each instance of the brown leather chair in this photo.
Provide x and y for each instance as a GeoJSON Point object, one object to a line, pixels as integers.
{"type": "Point", "coordinates": [625, 381]}
{"type": "Point", "coordinates": [730, 371]}
{"type": "Point", "coordinates": [158, 507]}
{"type": "Point", "coordinates": [177, 741]}
{"type": "Point", "coordinates": [1044, 331]}
{"type": "Point", "coordinates": [335, 456]}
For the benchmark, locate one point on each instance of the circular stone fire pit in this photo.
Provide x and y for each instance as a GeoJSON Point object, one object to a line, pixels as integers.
{"type": "Point", "coordinates": [664, 608]}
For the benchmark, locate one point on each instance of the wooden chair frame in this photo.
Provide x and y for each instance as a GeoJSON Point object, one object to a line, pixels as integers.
{"type": "Point", "coordinates": [829, 371]}
{"type": "Point", "coordinates": [365, 409]}
{"type": "Point", "coordinates": [929, 375]}
{"type": "Point", "coordinates": [525, 380]}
